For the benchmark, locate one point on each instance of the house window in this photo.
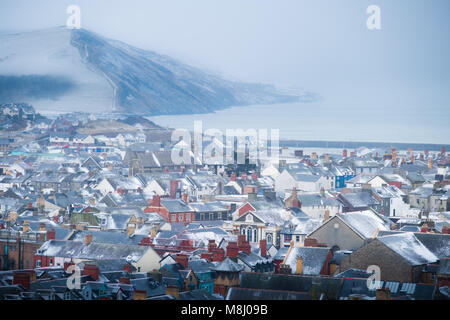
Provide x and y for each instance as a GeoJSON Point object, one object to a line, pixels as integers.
{"type": "Point", "coordinates": [297, 238]}
{"type": "Point", "coordinates": [287, 237]}
{"type": "Point", "coordinates": [180, 217]}
{"type": "Point", "coordinates": [38, 263]}
{"type": "Point", "coordinates": [269, 239]}
{"type": "Point", "coordinates": [249, 234]}
{"type": "Point", "coordinates": [51, 261]}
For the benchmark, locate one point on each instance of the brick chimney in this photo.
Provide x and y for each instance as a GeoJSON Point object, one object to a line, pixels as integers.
{"type": "Point", "coordinates": [263, 247]}
{"type": "Point", "coordinates": [51, 234]}
{"type": "Point", "coordinates": [310, 242]}
{"type": "Point", "coordinates": [245, 247]}
{"type": "Point", "coordinates": [127, 268]}
{"type": "Point", "coordinates": [24, 278]}
{"type": "Point", "coordinates": [207, 256]}
{"type": "Point", "coordinates": [88, 239]}
{"type": "Point", "coordinates": [295, 201]}
{"type": "Point", "coordinates": [218, 254]}
{"type": "Point", "coordinates": [185, 197]}
{"type": "Point", "coordinates": [68, 264]}
{"type": "Point", "coordinates": [211, 245]}
{"type": "Point", "coordinates": [244, 176]}
{"type": "Point", "coordinates": [344, 153]}
{"type": "Point", "coordinates": [233, 176]}
{"type": "Point", "coordinates": [255, 176]}
{"type": "Point", "coordinates": [91, 270]}
{"type": "Point", "coordinates": [232, 250]}
{"type": "Point", "coordinates": [240, 239]}
{"type": "Point", "coordinates": [430, 163]}
{"type": "Point", "coordinates": [173, 188]}
{"type": "Point", "coordinates": [443, 150]}
{"type": "Point", "coordinates": [156, 201]}
{"type": "Point", "coordinates": [182, 259]}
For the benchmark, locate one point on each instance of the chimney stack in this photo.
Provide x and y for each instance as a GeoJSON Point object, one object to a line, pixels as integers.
{"type": "Point", "coordinates": [310, 242]}
{"type": "Point", "coordinates": [173, 188]}
{"type": "Point", "coordinates": [91, 270]}
{"type": "Point", "coordinates": [244, 176]}
{"type": "Point", "coordinates": [430, 163]}
{"type": "Point", "coordinates": [218, 254]}
{"type": "Point", "coordinates": [443, 150]}
{"type": "Point", "coordinates": [24, 278]}
{"type": "Point", "coordinates": [254, 176]}
{"type": "Point", "coordinates": [26, 226]}
{"type": "Point", "coordinates": [182, 259]}
{"type": "Point", "coordinates": [344, 153]}
{"type": "Point", "coordinates": [207, 256]}
{"type": "Point", "coordinates": [299, 265]}
{"type": "Point", "coordinates": [51, 234]}
{"type": "Point", "coordinates": [211, 245]}
{"type": "Point", "coordinates": [327, 215]}
{"type": "Point", "coordinates": [240, 239]}
{"type": "Point", "coordinates": [263, 247]}
{"type": "Point", "coordinates": [185, 197]}
{"type": "Point", "coordinates": [156, 201]}
{"type": "Point", "coordinates": [232, 250]}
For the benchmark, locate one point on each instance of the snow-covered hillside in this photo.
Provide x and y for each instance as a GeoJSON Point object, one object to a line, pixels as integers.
{"type": "Point", "coordinates": [99, 75]}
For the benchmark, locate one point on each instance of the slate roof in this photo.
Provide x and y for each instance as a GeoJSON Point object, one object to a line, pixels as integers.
{"type": "Point", "coordinates": [313, 259]}
{"type": "Point", "coordinates": [438, 244]}
{"type": "Point", "coordinates": [107, 237]}
{"type": "Point", "coordinates": [93, 251]}
{"type": "Point", "coordinates": [228, 265]}
{"type": "Point", "coordinates": [365, 223]}
{"type": "Point", "coordinates": [409, 248]}
{"type": "Point", "coordinates": [176, 205]}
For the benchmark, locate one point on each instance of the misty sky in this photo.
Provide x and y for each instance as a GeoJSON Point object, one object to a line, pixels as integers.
{"type": "Point", "coordinates": [322, 46]}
